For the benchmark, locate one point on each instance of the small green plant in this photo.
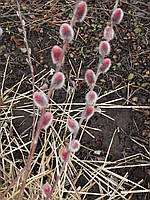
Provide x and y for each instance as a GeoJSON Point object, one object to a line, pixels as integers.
{"type": "Point", "coordinates": [131, 76]}
{"type": "Point", "coordinates": [137, 30]}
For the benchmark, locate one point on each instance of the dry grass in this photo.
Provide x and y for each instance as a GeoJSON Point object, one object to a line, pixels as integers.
{"type": "Point", "coordinates": [99, 173]}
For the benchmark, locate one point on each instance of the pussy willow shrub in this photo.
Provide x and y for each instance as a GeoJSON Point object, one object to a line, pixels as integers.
{"type": "Point", "coordinates": [67, 35]}
{"type": "Point", "coordinates": [57, 82]}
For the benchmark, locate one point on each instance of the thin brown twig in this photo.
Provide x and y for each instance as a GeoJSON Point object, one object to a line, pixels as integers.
{"type": "Point", "coordinates": [28, 60]}
{"type": "Point", "coordinates": [32, 73]}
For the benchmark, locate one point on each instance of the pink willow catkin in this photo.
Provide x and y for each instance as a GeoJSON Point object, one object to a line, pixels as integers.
{"type": "Point", "coordinates": [67, 34]}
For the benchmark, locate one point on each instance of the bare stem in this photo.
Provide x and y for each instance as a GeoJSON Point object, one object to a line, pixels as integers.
{"type": "Point", "coordinates": [28, 60]}
{"type": "Point", "coordinates": [116, 4]}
